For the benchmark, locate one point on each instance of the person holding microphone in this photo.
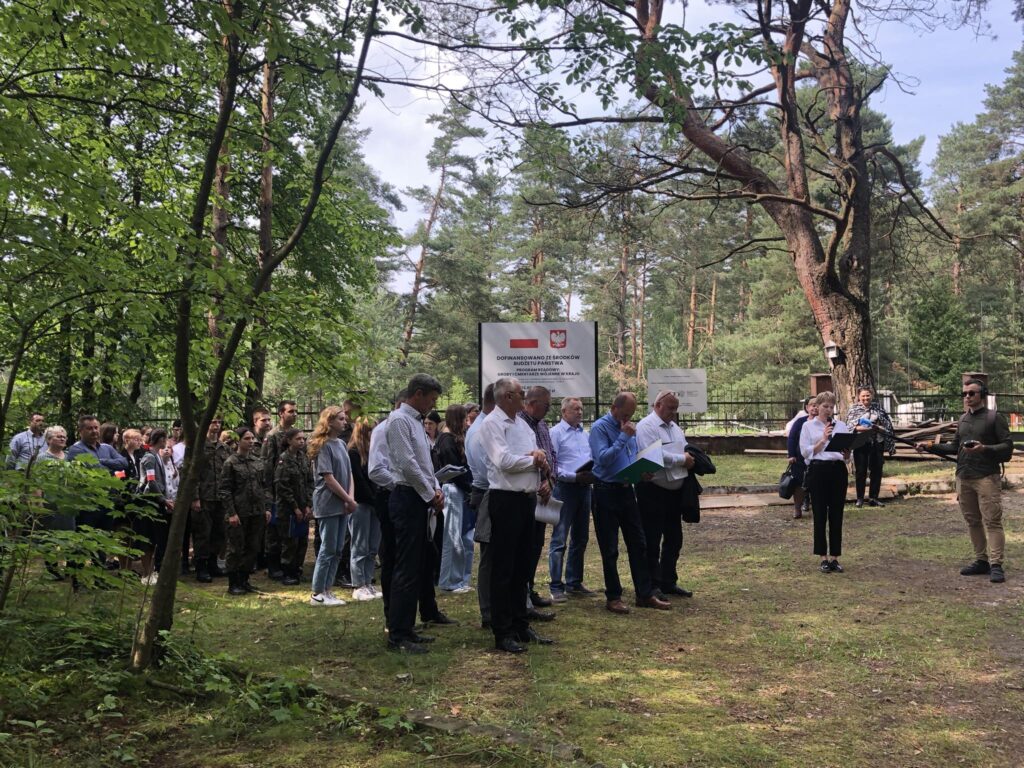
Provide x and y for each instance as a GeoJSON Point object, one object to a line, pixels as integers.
{"type": "Point", "coordinates": [828, 481]}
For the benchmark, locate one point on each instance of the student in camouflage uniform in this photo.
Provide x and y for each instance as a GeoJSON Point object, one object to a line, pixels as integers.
{"type": "Point", "coordinates": [273, 447]}
{"type": "Point", "coordinates": [293, 486]}
{"type": "Point", "coordinates": [244, 503]}
{"type": "Point", "coordinates": [206, 517]}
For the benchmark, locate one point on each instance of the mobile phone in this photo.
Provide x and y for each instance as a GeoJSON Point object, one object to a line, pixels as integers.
{"type": "Point", "coordinates": [970, 443]}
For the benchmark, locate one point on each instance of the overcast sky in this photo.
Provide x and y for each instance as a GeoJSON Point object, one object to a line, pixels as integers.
{"type": "Point", "coordinates": [944, 74]}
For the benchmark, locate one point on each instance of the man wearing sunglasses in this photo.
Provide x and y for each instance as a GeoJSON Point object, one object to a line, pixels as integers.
{"type": "Point", "coordinates": [982, 442]}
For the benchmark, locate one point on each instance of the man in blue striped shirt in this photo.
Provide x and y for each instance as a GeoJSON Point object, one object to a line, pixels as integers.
{"type": "Point", "coordinates": [613, 446]}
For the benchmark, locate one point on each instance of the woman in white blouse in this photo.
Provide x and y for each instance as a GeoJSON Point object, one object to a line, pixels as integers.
{"type": "Point", "coordinates": [828, 481]}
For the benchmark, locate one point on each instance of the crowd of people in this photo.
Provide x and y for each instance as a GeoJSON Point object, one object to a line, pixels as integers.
{"type": "Point", "coordinates": [418, 493]}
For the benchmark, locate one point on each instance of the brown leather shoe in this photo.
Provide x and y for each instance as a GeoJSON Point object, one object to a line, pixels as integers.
{"type": "Point", "coordinates": [617, 606]}
{"type": "Point", "coordinates": [654, 602]}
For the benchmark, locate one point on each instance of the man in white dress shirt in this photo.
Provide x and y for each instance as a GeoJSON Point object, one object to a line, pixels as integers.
{"type": "Point", "coordinates": [661, 498]}
{"type": "Point", "coordinates": [416, 491]}
{"type": "Point", "coordinates": [514, 467]}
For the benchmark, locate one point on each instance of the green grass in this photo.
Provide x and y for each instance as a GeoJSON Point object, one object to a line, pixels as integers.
{"type": "Point", "coordinates": [899, 661]}
{"type": "Point", "coordinates": [753, 469]}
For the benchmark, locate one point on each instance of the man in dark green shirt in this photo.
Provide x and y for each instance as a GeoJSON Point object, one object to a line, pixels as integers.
{"type": "Point", "coordinates": [981, 444]}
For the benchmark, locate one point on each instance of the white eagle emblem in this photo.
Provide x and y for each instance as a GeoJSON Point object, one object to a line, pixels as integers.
{"type": "Point", "coordinates": [558, 339]}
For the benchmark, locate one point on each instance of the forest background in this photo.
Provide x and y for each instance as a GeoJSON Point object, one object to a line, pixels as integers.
{"type": "Point", "coordinates": [543, 224]}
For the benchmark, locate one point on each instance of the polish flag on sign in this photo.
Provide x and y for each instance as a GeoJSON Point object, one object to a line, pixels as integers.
{"type": "Point", "coordinates": [523, 344]}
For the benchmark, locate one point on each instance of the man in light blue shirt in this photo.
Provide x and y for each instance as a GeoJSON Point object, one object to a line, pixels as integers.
{"type": "Point", "coordinates": [572, 488]}
{"type": "Point", "coordinates": [613, 446]}
{"type": "Point", "coordinates": [26, 445]}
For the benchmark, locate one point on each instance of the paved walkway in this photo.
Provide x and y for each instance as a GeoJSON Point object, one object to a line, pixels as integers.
{"type": "Point", "coordinates": [723, 497]}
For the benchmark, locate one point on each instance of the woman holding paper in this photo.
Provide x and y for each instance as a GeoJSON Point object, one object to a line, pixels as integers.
{"type": "Point", "coordinates": [828, 481]}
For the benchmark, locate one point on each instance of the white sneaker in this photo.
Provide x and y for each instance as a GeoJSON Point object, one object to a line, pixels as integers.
{"type": "Point", "coordinates": [463, 589]}
{"type": "Point", "coordinates": [363, 594]}
{"type": "Point", "coordinates": [319, 599]}
{"type": "Point", "coordinates": [377, 594]}
{"type": "Point", "coordinates": [333, 599]}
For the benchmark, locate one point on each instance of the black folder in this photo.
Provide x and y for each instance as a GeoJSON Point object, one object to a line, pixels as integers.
{"type": "Point", "coordinates": [848, 441]}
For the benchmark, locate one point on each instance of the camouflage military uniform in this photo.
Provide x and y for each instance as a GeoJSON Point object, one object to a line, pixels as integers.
{"type": "Point", "coordinates": [242, 492]}
{"type": "Point", "coordinates": [293, 485]}
{"type": "Point", "coordinates": [207, 521]}
{"type": "Point", "coordinates": [277, 532]}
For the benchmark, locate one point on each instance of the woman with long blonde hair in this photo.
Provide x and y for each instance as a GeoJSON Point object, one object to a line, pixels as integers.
{"type": "Point", "coordinates": [363, 524]}
{"type": "Point", "coordinates": [333, 499]}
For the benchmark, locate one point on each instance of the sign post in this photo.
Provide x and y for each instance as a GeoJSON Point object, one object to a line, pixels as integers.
{"type": "Point", "coordinates": [559, 356]}
{"type": "Point", "coordinates": [690, 385]}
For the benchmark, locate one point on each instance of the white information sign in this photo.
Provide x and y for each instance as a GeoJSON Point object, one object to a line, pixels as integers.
{"type": "Point", "coordinates": [689, 384]}
{"type": "Point", "coordinates": [559, 356]}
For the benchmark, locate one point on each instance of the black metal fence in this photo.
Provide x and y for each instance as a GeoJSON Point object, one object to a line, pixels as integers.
{"type": "Point", "coordinates": [729, 411]}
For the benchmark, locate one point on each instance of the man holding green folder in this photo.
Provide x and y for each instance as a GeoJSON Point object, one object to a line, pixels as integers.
{"type": "Point", "coordinates": [614, 448]}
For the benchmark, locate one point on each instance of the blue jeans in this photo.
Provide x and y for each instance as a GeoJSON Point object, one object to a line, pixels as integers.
{"type": "Point", "coordinates": [332, 539]}
{"type": "Point", "coordinates": [573, 526]}
{"type": "Point", "coordinates": [457, 552]}
{"type": "Point", "coordinates": [364, 531]}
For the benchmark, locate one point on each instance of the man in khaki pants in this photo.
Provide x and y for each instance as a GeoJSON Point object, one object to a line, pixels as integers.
{"type": "Point", "coordinates": [982, 442]}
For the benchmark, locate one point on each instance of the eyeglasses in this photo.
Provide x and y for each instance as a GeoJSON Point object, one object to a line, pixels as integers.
{"type": "Point", "coordinates": [969, 394]}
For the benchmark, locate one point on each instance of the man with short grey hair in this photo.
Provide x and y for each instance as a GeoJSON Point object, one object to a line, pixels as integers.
{"type": "Point", "coordinates": [514, 468]}
{"type": "Point", "coordinates": [660, 499]}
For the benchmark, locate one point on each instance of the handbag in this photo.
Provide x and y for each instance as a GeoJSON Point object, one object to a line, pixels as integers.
{"type": "Point", "coordinates": [787, 484]}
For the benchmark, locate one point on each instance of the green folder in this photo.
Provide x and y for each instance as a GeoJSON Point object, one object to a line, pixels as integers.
{"type": "Point", "coordinates": [650, 459]}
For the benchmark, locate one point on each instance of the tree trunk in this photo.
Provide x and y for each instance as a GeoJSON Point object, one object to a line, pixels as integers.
{"type": "Point", "coordinates": [258, 355]}
{"type": "Point", "coordinates": [691, 326]}
{"type": "Point", "coordinates": [64, 393]}
{"type": "Point", "coordinates": [536, 284]}
{"type": "Point", "coordinates": [417, 282]}
{"type": "Point", "coordinates": [620, 308]}
{"type": "Point", "coordinates": [219, 226]}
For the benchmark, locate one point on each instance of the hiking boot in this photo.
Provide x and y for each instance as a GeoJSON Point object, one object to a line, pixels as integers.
{"type": "Point", "coordinates": [997, 575]}
{"type": "Point", "coordinates": [977, 568]}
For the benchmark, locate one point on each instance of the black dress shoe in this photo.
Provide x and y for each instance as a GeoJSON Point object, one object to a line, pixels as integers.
{"type": "Point", "coordinates": [422, 639]}
{"type": "Point", "coordinates": [408, 646]}
{"type": "Point", "coordinates": [275, 575]}
{"type": "Point", "coordinates": [531, 636]}
{"type": "Point", "coordinates": [440, 620]}
{"type": "Point", "coordinates": [533, 614]}
{"type": "Point", "coordinates": [290, 580]}
{"type": "Point", "coordinates": [859, 503]}
{"type": "Point", "coordinates": [540, 602]}
{"type": "Point", "coordinates": [509, 645]}
{"type": "Point", "coordinates": [875, 503]}
{"type": "Point", "coordinates": [675, 589]}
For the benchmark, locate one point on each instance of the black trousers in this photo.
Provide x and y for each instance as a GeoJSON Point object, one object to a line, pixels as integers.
{"type": "Point", "coordinates": [615, 509]}
{"type": "Point", "coordinates": [510, 552]}
{"type": "Point", "coordinates": [868, 458]}
{"type": "Point", "coordinates": [661, 515]}
{"type": "Point", "coordinates": [536, 549]}
{"type": "Point", "coordinates": [828, 498]}
{"type": "Point", "coordinates": [386, 550]}
{"type": "Point", "coordinates": [408, 514]}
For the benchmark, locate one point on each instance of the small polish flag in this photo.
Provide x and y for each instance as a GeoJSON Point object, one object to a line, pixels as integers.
{"type": "Point", "coordinates": [523, 344]}
{"type": "Point", "coordinates": [120, 474]}
{"type": "Point", "coordinates": [150, 475]}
